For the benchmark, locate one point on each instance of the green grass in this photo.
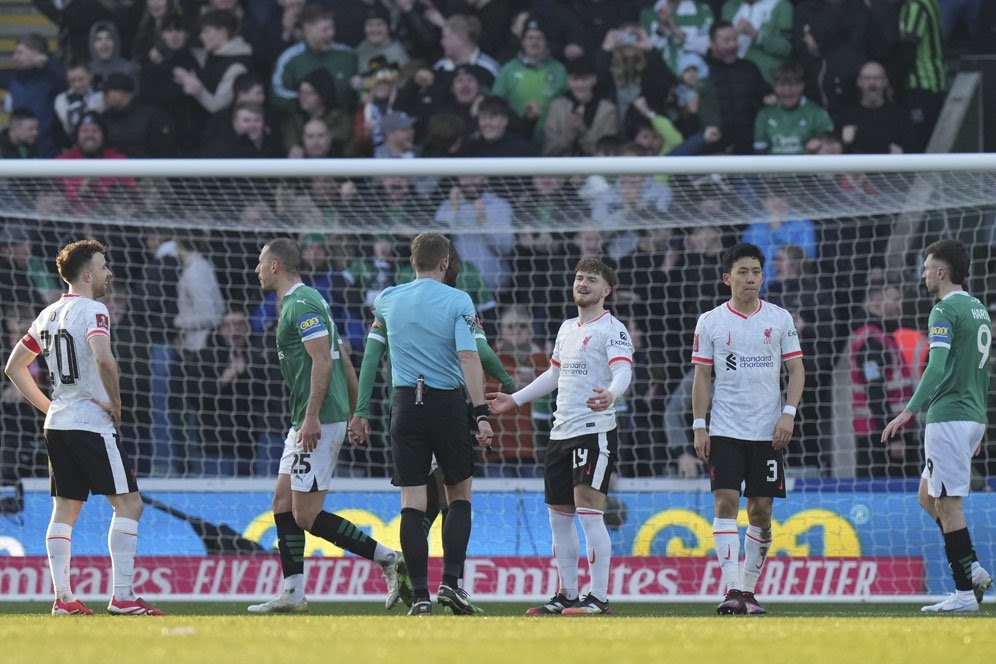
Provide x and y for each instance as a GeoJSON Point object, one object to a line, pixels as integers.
{"type": "Point", "coordinates": [363, 634]}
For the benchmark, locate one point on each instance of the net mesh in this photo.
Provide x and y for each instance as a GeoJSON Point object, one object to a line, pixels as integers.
{"type": "Point", "coordinates": [203, 395]}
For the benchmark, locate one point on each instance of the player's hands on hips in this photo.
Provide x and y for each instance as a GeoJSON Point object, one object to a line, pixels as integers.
{"type": "Point", "coordinates": [499, 402]}
{"type": "Point", "coordinates": [897, 423]}
{"type": "Point", "coordinates": [359, 431]}
{"type": "Point", "coordinates": [311, 431]}
{"type": "Point", "coordinates": [112, 409]}
{"type": "Point", "coordinates": [783, 431]}
{"type": "Point", "coordinates": [602, 399]}
{"type": "Point", "coordinates": [702, 444]}
{"type": "Point", "coordinates": [484, 433]}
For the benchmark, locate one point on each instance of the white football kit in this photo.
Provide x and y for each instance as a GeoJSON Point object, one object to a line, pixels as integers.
{"type": "Point", "coordinates": [583, 355]}
{"type": "Point", "coordinates": [746, 353]}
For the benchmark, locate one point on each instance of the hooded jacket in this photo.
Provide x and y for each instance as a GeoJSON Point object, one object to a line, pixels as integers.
{"type": "Point", "coordinates": [116, 63]}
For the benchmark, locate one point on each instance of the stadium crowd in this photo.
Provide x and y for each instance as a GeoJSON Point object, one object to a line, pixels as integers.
{"type": "Point", "coordinates": [483, 78]}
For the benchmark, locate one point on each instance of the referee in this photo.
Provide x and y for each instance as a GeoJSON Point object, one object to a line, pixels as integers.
{"type": "Point", "coordinates": [433, 351]}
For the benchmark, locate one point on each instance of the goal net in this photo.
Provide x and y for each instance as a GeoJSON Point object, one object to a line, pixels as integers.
{"type": "Point", "coordinates": [205, 407]}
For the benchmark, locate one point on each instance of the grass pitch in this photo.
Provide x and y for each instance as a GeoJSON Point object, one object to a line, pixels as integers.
{"type": "Point", "coordinates": [364, 634]}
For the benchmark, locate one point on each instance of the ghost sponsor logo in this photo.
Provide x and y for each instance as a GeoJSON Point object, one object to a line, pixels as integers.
{"type": "Point", "coordinates": [574, 368]}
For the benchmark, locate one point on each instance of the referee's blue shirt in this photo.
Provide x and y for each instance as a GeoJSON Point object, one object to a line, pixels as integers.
{"type": "Point", "coordinates": [427, 323]}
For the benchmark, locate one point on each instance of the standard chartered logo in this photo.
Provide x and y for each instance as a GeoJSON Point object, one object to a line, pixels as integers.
{"type": "Point", "coordinates": [748, 362]}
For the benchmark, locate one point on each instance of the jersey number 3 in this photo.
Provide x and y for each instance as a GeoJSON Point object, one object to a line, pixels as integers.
{"type": "Point", "coordinates": [65, 356]}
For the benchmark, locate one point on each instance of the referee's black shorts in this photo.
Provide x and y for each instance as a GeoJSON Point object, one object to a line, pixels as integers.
{"type": "Point", "coordinates": [85, 462]}
{"type": "Point", "coordinates": [439, 426]}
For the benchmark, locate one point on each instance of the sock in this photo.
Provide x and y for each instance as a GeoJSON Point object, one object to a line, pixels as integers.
{"type": "Point", "coordinates": [599, 549]}
{"type": "Point", "coordinates": [456, 536]}
{"type": "Point", "coordinates": [756, 546]}
{"type": "Point", "coordinates": [726, 539]}
{"type": "Point", "coordinates": [290, 544]}
{"type": "Point", "coordinates": [416, 550]}
{"type": "Point", "coordinates": [122, 542]}
{"type": "Point", "coordinates": [433, 503]}
{"type": "Point", "coordinates": [958, 547]}
{"type": "Point", "coordinates": [59, 544]}
{"type": "Point", "coordinates": [344, 534]}
{"type": "Point", "coordinates": [975, 557]}
{"type": "Point", "coordinates": [567, 550]}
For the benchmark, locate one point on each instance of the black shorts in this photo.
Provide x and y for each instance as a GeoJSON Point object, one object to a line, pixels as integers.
{"type": "Point", "coordinates": [439, 426]}
{"type": "Point", "coordinates": [753, 463]}
{"type": "Point", "coordinates": [586, 460]}
{"type": "Point", "coordinates": [84, 462]}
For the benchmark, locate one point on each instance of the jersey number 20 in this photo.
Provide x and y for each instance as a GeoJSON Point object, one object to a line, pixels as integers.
{"type": "Point", "coordinates": [65, 356]}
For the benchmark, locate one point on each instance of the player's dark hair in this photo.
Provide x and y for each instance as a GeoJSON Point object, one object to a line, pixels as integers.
{"type": "Point", "coordinates": [955, 257]}
{"type": "Point", "coordinates": [738, 251]}
{"type": "Point", "coordinates": [596, 266]}
{"type": "Point", "coordinates": [428, 249]}
{"type": "Point", "coordinates": [74, 257]}
{"type": "Point", "coordinates": [287, 252]}
{"type": "Point", "coordinates": [453, 269]}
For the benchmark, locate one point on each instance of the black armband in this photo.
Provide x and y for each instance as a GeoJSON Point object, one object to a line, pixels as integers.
{"type": "Point", "coordinates": [481, 412]}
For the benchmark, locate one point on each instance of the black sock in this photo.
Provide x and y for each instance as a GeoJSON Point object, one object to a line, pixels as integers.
{"type": "Point", "coordinates": [290, 543]}
{"type": "Point", "coordinates": [456, 536]}
{"type": "Point", "coordinates": [975, 557]}
{"type": "Point", "coordinates": [343, 534]}
{"type": "Point", "coordinates": [958, 547]}
{"type": "Point", "coordinates": [432, 503]}
{"type": "Point", "coordinates": [416, 549]}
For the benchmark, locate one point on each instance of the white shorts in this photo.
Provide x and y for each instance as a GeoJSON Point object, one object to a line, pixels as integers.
{"type": "Point", "coordinates": [312, 471]}
{"type": "Point", "coordinates": [948, 447]}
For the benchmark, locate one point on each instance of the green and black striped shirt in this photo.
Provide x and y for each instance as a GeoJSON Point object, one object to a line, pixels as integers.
{"type": "Point", "coordinates": [920, 22]}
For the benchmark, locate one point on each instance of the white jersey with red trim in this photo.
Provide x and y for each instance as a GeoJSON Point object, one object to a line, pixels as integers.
{"type": "Point", "coordinates": [746, 353]}
{"type": "Point", "coordinates": [584, 355]}
{"type": "Point", "coordinates": [60, 334]}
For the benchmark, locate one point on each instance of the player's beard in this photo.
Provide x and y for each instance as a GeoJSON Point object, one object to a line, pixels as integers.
{"type": "Point", "coordinates": [100, 291]}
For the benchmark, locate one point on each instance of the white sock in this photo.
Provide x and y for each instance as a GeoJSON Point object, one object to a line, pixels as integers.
{"type": "Point", "coordinates": [599, 549]}
{"type": "Point", "coordinates": [976, 566]}
{"type": "Point", "coordinates": [567, 550]}
{"type": "Point", "coordinates": [122, 542]}
{"type": "Point", "coordinates": [756, 546]}
{"type": "Point", "coordinates": [294, 584]}
{"type": "Point", "coordinates": [726, 539]}
{"type": "Point", "coordinates": [383, 554]}
{"type": "Point", "coordinates": [59, 544]}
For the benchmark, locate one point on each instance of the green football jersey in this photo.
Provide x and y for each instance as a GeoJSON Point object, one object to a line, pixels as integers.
{"type": "Point", "coordinates": [961, 323]}
{"type": "Point", "coordinates": [305, 315]}
{"type": "Point", "coordinates": [780, 130]}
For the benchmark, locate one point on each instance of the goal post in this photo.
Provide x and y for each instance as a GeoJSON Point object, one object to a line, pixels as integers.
{"type": "Point", "coordinates": [204, 403]}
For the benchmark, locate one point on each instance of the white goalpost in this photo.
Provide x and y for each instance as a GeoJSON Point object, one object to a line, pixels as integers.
{"type": "Point", "coordinates": [204, 402]}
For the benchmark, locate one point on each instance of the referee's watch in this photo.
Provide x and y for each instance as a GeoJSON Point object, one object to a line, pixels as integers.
{"type": "Point", "coordinates": [481, 412]}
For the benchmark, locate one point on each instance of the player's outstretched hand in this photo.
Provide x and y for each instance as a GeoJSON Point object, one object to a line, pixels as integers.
{"type": "Point", "coordinates": [783, 432]}
{"type": "Point", "coordinates": [499, 402]}
{"type": "Point", "coordinates": [897, 422]}
{"type": "Point", "coordinates": [702, 444]}
{"type": "Point", "coordinates": [112, 410]}
{"type": "Point", "coordinates": [602, 399]}
{"type": "Point", "coordinates": [359, 431]}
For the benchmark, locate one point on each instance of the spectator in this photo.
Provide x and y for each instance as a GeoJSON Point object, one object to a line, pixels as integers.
{"type": "Point", "coordinates": [418, 27]}
{"type": "Point", "coordinates": [247, 138]}
{"type": "Point", "coordinates": [225, 55]}
{"type": "Point", "coordinates": [779, 226]}
{"type": "Point", "coordinates": [316, 142]}
{"type": "Point", "coordinates": [922, 63]}
{"type": "Point", "coordinates": [678, 29]}
{"type": "Point", "coordinates": [133, 128]}
{"type": "Point", "coordinates": [19, 139]}
{"type": "Point", "coordinates": [734, 92]}
{"type": "Point", "coordinates": [33, 85]}
{"type": "Point", "coordinates": [495, 137]}
{"type": "Point", "coordinates": [81, 97]}
{"type": "Point", "coordinates": [75, 19]}
{"type": "Point", "coordinates": [627, 66]}
{"type": "Point", "coordinates": [875, 125]}
{"type": "Point", "coordinates": [494, 16]}
{"type": "Point", "coordinates": [89, 143]}
{"type": "Point", "coordinates": [764, 31]}
{"type": "Point", "coordinates": [469, 280]}
{"type": "Point", "coordinates": [24, 279]}
{"type": "Point", "coordinates": [160, 90]}
{"type": "Point", "coordinates": [789, 126]}
{"type": "Point", "coordinates": [470, 209]}
{"type": "Point", "coordinates": [316, 100]}
{"type": "Point", "coordinates": [20, 450]}
{"type": "Point", "coordinates": [829, 38]}
{"type": "Point", "coordinates": [106, 54]}
{"type": "Point", "coordinates": [881, 384]}
{"type": "Point", "coordinates": [149, 31]}
{"type": "Point", "coordinates": [377, 40]}
{"type": "Point", "coordinates": [380, 97]}
{"type": "Point", "coordinates": [267, 41]}
{"type": "Point", "coordinates": [579, 118]}
{"type": "Point", "coordinates": [464, 100]}
{"type": "Point", "coordinates": [532, 80]}
{"type": "Point", "coordinates": [317, 49]}
{"type": "Point", "coordinates": [656, 134]}
{"type": "Point", "coordinates": [377, 270]}
{"type": "Point", "coordinates": [460, 46]}
{"type": "Point", "coordinates": [399, 137]}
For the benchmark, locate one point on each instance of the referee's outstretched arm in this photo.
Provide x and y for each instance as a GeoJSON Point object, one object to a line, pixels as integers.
{"type": "Point", "coordinates": [473, 377]}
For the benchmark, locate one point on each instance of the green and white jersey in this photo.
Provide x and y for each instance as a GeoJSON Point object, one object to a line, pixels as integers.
{"type": "Point", "coordinates": [961, 324]}
{"type": "Point", "coordinates": [305, 315]}
{"type": "Point", "coordinates": [780, 130]}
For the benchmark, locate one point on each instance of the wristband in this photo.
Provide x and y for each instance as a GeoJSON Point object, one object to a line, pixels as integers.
{"type": "Point", "coordinates": [698, 423]}
{"type": "Point", "coordinates": [481, 411]}
{"type": "Point", "coordinates": [789, 410]}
